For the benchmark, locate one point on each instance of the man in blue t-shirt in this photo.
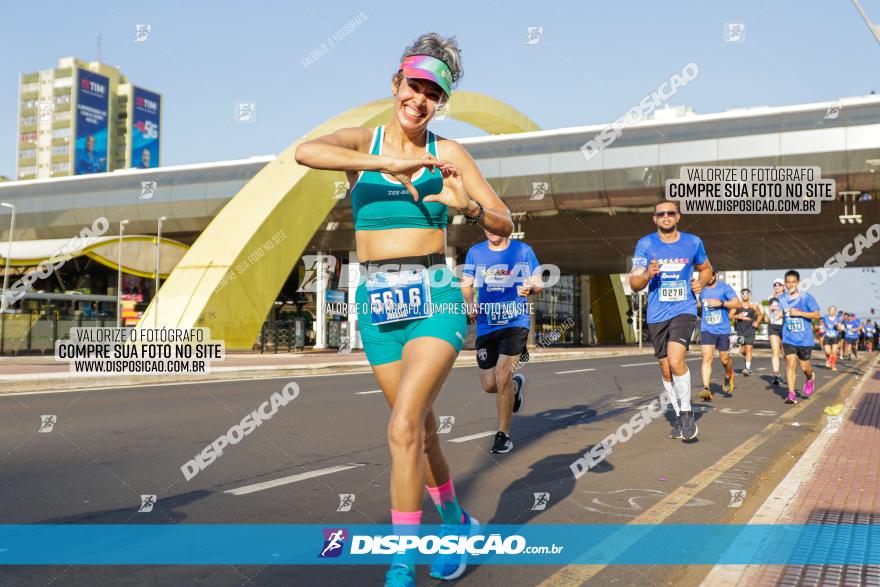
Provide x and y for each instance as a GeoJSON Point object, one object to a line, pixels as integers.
{"type": "Point", "coordinates": [664, 262]}
{"type": "Point", "coordinates": [504, 272]}
{"type": "Point", "coordinates": [851, 329]}
{"type": "Point", "coordinates": [716, 299]}
{"type": "Point", "coordinates": [831, 326]}
{"type": "Point", "coordinates": [799, 310]}
{"type": "Point", "coordinates": [869, 329]}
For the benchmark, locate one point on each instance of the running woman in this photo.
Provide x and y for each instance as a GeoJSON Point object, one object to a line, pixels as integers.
{"type": "Point", "coordinates": [869, 329]}
{"type": "Point", "coordinates": [664, 262]}
{"type": "Point", "coordinates": [851, 328]}
{"type": "Point", "coordinates": [716, 298]}
{"type": "Point", "coordinates": [774, 318]}
{"type": "Point", "coordinates": [405, 178]}
{"type": "Point", "coordinates": [797, 334]}
{"type": "Point", "coordinates": [831, 324]}
{"type": "Point", "coordinates": [504, 270]}
{"type": "Point", "coordinates": [747, 319]}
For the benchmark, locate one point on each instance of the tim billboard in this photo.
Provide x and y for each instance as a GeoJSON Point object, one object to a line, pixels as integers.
{"type": "Point", "coordinates": [92, 102]}
{"type": "Point", "coordinates": [145, 114]}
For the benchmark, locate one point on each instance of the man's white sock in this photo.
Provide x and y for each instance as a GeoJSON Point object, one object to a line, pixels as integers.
{"type": "Point", "coordinates": [749, 365]}
{"type": "Point", "coordinates": [670, 393]}
{"type": "Point", "coordinates": [682, 386]}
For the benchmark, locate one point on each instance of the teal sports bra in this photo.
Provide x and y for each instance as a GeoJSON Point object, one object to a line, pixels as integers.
{"type": "Point", "coordinates": [380, 202]}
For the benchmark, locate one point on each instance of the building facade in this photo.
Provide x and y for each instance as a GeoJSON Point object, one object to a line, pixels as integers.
{"type": "Point", "coordinates": [84, 117]}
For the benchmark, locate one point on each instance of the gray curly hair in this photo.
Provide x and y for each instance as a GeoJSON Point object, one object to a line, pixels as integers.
{"type": "Point", "coordinates": [444, 49]}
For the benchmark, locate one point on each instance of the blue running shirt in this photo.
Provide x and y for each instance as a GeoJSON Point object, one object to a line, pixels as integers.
{"type": "Point", "coordinates": [851, 327]}
{"type": "Point", "coordinates": [716, 320]}
{"type": "Point", "coordinates": [830, 325]}
{"type": "Point", "coordinates": [496, 276]}
{"type": "Point", "coordinates": [797, 330]}
{"type": "Point", "coordinates": [669, 292]}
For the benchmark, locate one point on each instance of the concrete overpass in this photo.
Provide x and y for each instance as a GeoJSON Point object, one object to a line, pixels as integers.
{"type": "Point", "coordinates": [586, 223]}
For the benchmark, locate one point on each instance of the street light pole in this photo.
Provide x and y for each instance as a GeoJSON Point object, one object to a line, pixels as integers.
{"type": "Point", "coordinates": [156, 291]}
{"type": "Point", "coordinates": [119, 276]}
{"type": "Point", "coordinates": [6, 273]}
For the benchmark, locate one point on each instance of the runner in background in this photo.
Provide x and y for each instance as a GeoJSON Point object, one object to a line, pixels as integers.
{"type": "Point", "coordinates": [774, 318]}
{"type": "Point", "coordinates": [800, 310]}
{"type": "Point", "coordinates": [831, 325]}
{"type": "Point", "coordinates": [664, 262]}
{"type": "Point", "coordinates": [748, 316]}
{"type": "Point", "coordinates": [851, 329]}
{"type": "Point", "coordinates": [504, 271]}
{"type": "Point", "coordinates": [715, 300]}
{"type": "Point", "coordinates": [870, 329]}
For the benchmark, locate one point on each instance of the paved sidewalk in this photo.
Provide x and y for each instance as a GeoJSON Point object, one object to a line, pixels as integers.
{"type": "Point", "coordinates": [44, 373]}
{"type": "Point", "coordinates": [836, 481]}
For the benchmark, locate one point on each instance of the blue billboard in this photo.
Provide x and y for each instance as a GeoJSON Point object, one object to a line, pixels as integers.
{"type": "Point", "coordinates": [145, 111]}
{"type": "Point", "coordinates": [93, 93]}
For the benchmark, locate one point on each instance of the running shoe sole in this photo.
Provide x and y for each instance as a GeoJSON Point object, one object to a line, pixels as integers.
{"type": "Point", "coordinates": [517, 405]}
{"type": "Point", "coordinates": [791, 399]}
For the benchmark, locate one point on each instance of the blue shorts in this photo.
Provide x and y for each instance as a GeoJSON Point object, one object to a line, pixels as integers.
{"type": "Point", "coordinates": [720, 341]}
{"type": "Point", "coordinates": [384, 343]}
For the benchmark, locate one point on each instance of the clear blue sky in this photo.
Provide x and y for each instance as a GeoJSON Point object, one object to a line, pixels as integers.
{"type": "Point", "coordinates": [594, 61]}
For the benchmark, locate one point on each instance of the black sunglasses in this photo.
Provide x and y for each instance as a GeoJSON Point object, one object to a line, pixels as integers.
{"type": "Point", "coordinates": [663, 213]}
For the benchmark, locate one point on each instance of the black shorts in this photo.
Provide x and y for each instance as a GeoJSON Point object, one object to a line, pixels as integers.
{"type": "Point", "coordinates": [748, 336]}
{"type": "Point", "coordinates": [830, 340]}
{"type": "Point", "coordinates": [719, 341]}
{"type": "Point", "coordinates": [775, 330]}
{"type": "Point", "coordinates": [505, 341]}
{"type": "Point", "coordinates": [678, 329]}
{"type": "Point", "coordinates": [803, 352]}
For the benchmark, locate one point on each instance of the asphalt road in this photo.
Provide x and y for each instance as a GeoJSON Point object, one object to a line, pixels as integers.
{"type": "Point", "coordinates": [110, 446]}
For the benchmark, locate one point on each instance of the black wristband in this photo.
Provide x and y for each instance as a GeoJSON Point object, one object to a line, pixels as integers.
{"type": "Point", "coordinates": [475, 219]}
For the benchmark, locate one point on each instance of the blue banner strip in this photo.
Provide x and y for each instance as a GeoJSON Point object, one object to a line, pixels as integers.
{"type": "Point", "coordinates": [612, 544]}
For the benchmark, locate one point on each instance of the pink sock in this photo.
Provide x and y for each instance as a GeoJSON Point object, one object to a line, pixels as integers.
{"type": "Point", "coordinates": [444, 498]}
{"type": "Point", "coordinates": [399, 520]}
{"type": "Point", "coordinates": [406, 518]}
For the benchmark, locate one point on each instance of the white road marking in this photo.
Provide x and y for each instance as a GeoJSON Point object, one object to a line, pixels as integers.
{"type": "Point", "coordinates": [655, 362]}
{"type": "Point", "coordinates": [567, 415]}
{"type": "Point", "coordinates": [573, 371]}
{"type": "Point", "coordinates": [473, 436]}
{"type": "Point", "coordinates": [291, 479]}
{"type": "Point", "coordinates": [368, 392]}
{"type": "Point", "coordinates": [629, 399]}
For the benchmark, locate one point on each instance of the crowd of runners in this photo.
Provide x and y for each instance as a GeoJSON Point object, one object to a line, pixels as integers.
{"type": "Point", "coordinates": [405, 180]}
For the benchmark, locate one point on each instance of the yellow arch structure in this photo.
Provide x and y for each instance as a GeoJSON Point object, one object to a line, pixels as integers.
{"type": "Point", "coordinates": [231, 276]}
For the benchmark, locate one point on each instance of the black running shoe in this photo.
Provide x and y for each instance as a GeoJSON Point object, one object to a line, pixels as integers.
{"type": "Point", "coordinates": [775, 380]}
{"type": "Point", "coordinates": [519, 381]}
{"type": "Point", "coordinates": [676, 428]}
{"type": "Point", "coordinates": [688, 426]}
{"type": "Point", "coordinates": [502, 444]}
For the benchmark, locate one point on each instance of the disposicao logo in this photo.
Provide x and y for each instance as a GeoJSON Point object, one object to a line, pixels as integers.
{"type": "Point", "coordinates": [334, 542]}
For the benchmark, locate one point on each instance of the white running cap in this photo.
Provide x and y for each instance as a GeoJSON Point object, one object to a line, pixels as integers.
{"type": "Point", "coordinates": [778, 280]}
